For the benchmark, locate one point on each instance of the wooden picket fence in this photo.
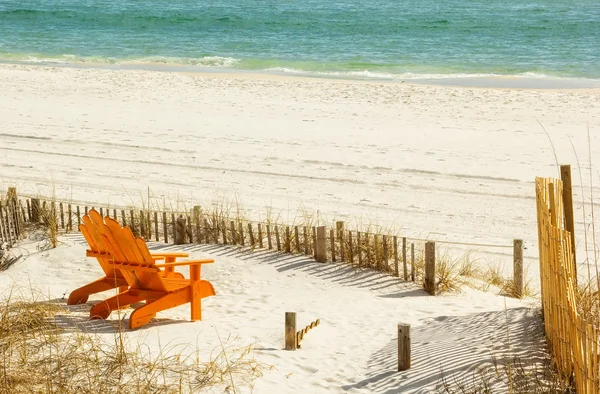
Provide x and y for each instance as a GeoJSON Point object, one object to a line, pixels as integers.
{"type": "Point", "coordinates": [571, 332]}
{"type": "Point", "coordinates": [11, 221]}
{"type": "Point", "coordinates": [386, 253]}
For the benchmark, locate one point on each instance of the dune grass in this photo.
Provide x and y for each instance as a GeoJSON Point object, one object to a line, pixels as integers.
{"type": "Point", "coordinates": [40, 355]}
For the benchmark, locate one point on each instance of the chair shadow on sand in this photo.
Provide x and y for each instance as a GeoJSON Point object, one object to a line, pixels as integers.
{"type": "Point", "coordinates": [77, 319]}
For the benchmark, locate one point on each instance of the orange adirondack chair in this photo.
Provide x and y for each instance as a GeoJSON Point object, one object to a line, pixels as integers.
{"type": "Point", "coordinates": [146, 283]}
{"type": "Point", "coordinates": [100, 250]}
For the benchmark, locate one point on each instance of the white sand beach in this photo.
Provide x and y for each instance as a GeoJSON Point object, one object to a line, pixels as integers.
{"type": "Point", "coordinates": [446, 163]}
{"type": "Point", "coordinates": [443, 163]}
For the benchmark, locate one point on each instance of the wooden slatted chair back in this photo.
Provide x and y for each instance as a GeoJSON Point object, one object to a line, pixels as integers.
{"type": "Point", "coordinates": [139, 268]}
{"type": "Point", "coordinates": [97, 244]}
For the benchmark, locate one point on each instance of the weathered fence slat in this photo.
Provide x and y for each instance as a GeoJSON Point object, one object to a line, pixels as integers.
{"type": "Point", "coordinates": [306, 251]}
{"type": "Point", "coordinates": [332, 239]}
{"type": "Point", "coordinates": [206, 231]}
{"type": "Point", "coordinates": [70, 216]}
{"type": "Point", "coordinates": [251, 235]}
{"type": "Point", "coordinates": [385, 252]}
{"type": "Point", "coordinates": [156, 232]}
{"type": "Point", "coordinates": [269, 242]}
{"type": "Point", "coordinates": [350, 248]}
{"type": "Point", "coordinates": [165, 227]}
{"type": "Point", "coordinates": [359, 249]}
{"type": "Point", "coordinates": [412, 262]}
{"type": "Point", "coordinates": [241, 226]}
{"type": "Point", "coordinates": [404, 262]}
{"type": "Point", "coordinates": [3, 234]}
{"type": "Point", "coordinates": [62, 216]}
{"type": "Point", "coordinates": [314, 242]}
{"type": "Point", "coordinates": [142, 225]}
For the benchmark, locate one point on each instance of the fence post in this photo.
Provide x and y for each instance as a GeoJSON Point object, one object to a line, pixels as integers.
{"type": "Point", "coordinates": [165, 227]}
{"type": "Point", "coordinates": [518, 267]}
{"type": "Point", "coordinates": [35, 210]}
{"type": "Point", "coordinates": [412, 262]}
{"type": "Point", "coordinates": [2, 232]}
{"type": "Point", "coordinates": [565, 176]}
{"type": "Point", "coordinates": [28, 202]}
{"type": "Point", "coordinates": [290, 331]}
{"type": "Point", "coordinates": [403, 347]}
{"type": "Point", "coordinates": [197, 215]}
{"type": "Point", "coordinates": [13, 202]}
{"type": "Point", "coordinates": [430, 268]}
{"type": "Point", "coordinates": [306, 251]}
{"type": "Point", "coordinates": [321, 246]}
{"type": "Point", "coordinates": [277, 238]}
{"type": "Point", "coordinates": [180, 230]}
{"type": "Point", "coordinates": [269, 242]}
{"type": "Point", "coordinates": [251, 233]}
{"type": "Point", "coordinates": [70, 216]}
{"type": "Point", "coordinates": [142, 225]}
{"type": "Point", "coordinates": [332, 238]}
{"type": "Point", "coordinates": [396, 268]}
{"type": "Point", "coordinates": [340, 227]}
{"type": "Point", "coordinates": [314, 242]}
{"type": "Point", "coordinates": [404, 262]}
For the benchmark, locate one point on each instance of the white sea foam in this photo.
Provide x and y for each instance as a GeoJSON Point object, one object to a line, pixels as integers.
{"type": "Point", "coordinates": [206, 61]}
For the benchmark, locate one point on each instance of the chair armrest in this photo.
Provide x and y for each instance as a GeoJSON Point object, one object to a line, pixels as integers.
{"type": "Point", "coordinates": [189, 262]}
{"type": "Point", "coordinates": [162, 256]}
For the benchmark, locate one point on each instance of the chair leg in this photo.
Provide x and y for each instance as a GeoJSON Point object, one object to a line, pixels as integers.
{"type": "Point", "coordinates": [145, 313]}
{"type": "Point", "coordinates": [201, 289]}
{"type": "Point", "coordinates": [103, 309]}
{"type": "Point", "coordinates": [80, 295]}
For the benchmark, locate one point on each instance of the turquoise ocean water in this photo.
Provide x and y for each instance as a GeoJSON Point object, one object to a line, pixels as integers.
{"type": "Point", "coordinates": [370, 38]}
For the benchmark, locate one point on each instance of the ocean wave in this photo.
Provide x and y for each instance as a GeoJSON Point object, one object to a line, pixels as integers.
{"type": "Point", "coordinates": [363, 74]}
{"type": "Point", "coordinates": [314, 69]}
{"type": "Point", "coordinates": [205, 61]}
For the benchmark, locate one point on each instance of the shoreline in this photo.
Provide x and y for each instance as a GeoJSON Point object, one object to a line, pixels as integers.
{"type": "Point", "coordinates": [500, 82]}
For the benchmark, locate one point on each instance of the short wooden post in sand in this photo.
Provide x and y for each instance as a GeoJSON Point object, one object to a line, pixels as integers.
{"type": "Point", "coordinates": [518, 267]}
{"type": "Point", "coordinates": [403, 347]}
{"type": "Point", "coordinates": [321, 255]}
{"type": "Point", "coordinates": [290, 331]}
{"type": "Point", "coordinates": [429, 284]}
